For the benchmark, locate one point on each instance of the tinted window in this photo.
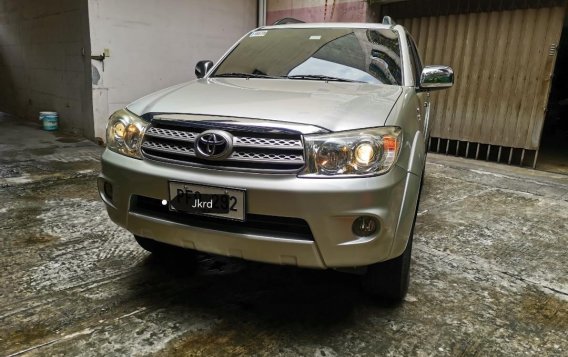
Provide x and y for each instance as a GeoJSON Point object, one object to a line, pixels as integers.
{"type": "Point", "coordinates": [371, 56]}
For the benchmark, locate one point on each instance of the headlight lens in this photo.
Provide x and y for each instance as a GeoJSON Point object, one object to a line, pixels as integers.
{"type": "Point", "coordinates": [125, 132]}
{"type": "Point", "coordinates": [355, 153]}
{"type": "Point", "coordinates": [333, 156]}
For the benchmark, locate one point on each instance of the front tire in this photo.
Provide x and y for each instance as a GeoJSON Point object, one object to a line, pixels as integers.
{"type": "Point", "coordinates": [389, 280]}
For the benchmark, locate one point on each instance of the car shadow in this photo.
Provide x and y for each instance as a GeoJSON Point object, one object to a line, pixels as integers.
{"type": "Point", "coordinates": [237, 290]}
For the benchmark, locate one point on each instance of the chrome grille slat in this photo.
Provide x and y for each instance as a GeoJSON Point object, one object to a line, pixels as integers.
{"type": "Point", "coordinates": [274, 158]}
{"type": "Point", "coordinates": [258, 151]}
{"type": "Point", "coordinates": [243, 141]}
{"type": "Point", "coordinates": [168, 148]}
{"type": "Point", "coordinates": [171, 134]}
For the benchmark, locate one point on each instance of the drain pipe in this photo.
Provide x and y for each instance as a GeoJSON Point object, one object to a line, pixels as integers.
{"type": "Point", "coordinates": [261, 13]}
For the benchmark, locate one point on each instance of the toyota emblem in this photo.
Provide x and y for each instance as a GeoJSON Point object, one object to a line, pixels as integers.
{"type": "Point", "coordinates": [214, 145]}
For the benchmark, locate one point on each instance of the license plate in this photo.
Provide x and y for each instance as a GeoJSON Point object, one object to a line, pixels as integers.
{"type": "Point", "coordinates": [207, 200]}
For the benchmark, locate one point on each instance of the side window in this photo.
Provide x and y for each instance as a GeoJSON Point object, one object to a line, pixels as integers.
{"type": "Point", "coordinates": [415, 58]}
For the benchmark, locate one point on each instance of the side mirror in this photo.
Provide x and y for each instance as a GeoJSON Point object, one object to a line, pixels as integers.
{"type": "Point", "coordinates": [202, 67]}
{"type": "Point", "coordinates": [436, 77]}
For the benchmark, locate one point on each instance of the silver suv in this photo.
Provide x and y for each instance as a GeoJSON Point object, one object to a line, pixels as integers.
{"type": "Point", "coordinates": [304, 145]}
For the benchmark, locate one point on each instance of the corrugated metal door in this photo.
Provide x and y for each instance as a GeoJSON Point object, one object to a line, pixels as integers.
{"type": "Point", "coordinates": [503, 62]}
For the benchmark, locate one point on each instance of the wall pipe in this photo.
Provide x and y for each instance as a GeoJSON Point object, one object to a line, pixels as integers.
{"type": "Point", "coordinates": [261, 13]}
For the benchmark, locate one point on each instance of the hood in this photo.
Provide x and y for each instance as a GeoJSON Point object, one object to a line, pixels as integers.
{"type": "Point", "coordinates": [334, 106]}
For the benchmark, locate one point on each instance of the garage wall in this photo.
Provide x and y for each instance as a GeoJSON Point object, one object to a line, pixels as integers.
{"type": "Point", "coordinates": [154, 44]}
{"type": "Point", "coordinates": [503, 54]}
{"type": "Point", "coordinates": [41, 62]}
{"type": "Point", "coordinates": [317, 10]}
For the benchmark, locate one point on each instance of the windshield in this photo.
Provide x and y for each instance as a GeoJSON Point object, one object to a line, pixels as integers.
{"type": "Point", "coordinates": [345, 54]}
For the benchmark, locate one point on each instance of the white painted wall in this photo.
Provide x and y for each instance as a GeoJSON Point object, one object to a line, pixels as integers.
{"type": "Point", "coordinates": [318, 10]}
{"type": "Point", "coordinates": [41, 63]}
{"type": "Point", "coordinates": [154, 44]}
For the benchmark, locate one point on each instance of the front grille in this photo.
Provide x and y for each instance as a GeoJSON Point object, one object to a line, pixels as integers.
{"type": "Point", "coordinates": [266, 150]}
{"type": "Point", "coordinates": [270, 226]}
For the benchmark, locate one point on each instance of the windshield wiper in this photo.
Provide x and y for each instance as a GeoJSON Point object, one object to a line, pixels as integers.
{"type": "Point", "coordinates": [244, 75]}
{"type": "Point", "coordinates": [317, 77]}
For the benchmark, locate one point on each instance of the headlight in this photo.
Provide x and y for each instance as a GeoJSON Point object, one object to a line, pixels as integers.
{"type": "Point", "coordinates": [364, 152]}
{"type": "Point", "coordinates": [125, 132]}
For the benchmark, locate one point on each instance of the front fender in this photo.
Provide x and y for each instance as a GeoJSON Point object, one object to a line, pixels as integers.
{"type": "Point", "coordinates": [417, 158]}
{"type": "Point", "coordinates": [411, 195]}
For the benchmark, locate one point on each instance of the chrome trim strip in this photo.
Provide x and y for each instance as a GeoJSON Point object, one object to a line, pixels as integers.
{"type": "Point", "coordinates": [241, 124]}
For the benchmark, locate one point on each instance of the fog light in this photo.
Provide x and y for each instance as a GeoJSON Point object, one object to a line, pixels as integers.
{"type": "Point", "coordinates": [365, 226]}
{"type": "Point", "coordinates": [108, 189]}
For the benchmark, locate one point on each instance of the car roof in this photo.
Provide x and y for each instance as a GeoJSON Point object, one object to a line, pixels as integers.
{"type": "Point", "coordinates": [362, 25]}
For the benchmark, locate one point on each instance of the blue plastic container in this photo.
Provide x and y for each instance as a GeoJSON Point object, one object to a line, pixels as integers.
{"type": "Point", "coordinates": [50, 120]}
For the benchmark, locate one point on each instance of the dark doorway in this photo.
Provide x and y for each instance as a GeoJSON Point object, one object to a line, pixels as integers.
{"type": "Point", "coordinates": [553, 152]}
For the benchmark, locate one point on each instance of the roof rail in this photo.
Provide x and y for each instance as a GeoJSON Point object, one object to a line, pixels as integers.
{"type": "Point", "coordinates": [387, 20]}
{"type": "Point", "coordinates": [288, 20]}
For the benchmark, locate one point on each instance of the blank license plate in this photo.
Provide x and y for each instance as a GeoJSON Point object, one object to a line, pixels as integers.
{"type": "Point", "coordinates": [207, 200]}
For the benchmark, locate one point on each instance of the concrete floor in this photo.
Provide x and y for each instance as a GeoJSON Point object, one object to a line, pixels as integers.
{"type": "Point", "coordinates": [489, 273]}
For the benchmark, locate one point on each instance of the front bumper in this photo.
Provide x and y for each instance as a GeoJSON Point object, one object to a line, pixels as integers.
{"type": "Point", "coordinates": [329, 206]}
